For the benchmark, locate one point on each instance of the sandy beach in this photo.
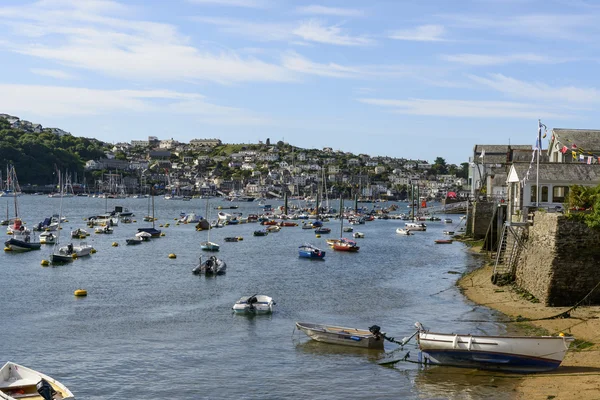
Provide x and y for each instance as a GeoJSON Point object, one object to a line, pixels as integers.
{"type": "Point", "coordinates": [578, 377]}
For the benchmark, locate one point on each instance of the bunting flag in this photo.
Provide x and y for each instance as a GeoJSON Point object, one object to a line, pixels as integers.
{"type": "Point", "coordinates": [564, 149]}
{"type": "Point", "coordinates": [574, 154]}
{"type": "Point", "coordinates": [589, 160]}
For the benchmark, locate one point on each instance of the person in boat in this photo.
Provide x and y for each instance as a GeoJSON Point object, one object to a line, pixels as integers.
{"type": "Point", "coordinates": [70, 248]}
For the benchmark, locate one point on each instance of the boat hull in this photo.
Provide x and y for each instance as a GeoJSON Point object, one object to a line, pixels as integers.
{"type": "Point", "coordinates": [263, 305]}
{"type": "Point", "coordinates": [21, 245]}
{"type": "Point", "coordinates": [340, 335]}
{"type": "Point", "coordinates": [511, 354]}
{"type": "Point", "coordinates": [20, 382]}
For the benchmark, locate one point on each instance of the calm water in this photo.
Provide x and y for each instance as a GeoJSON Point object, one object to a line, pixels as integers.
{"type": "Point", "coordinates": [150, 329]}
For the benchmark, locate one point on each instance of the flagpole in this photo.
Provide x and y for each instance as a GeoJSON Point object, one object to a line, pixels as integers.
{"type": "Point", "coordinates": [537, 173]}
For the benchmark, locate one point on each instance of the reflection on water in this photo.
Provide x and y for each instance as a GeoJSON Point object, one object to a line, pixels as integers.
{"type": "Point", "coordinates": [325, 349]}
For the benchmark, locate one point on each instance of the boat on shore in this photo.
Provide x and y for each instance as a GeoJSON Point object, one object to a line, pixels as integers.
{"type": "Point", "coordinates": [522, 354]}
{"type": "Point", "coordinates": [18, 382]}
{"type": "Point", "coordinates": [341, 335]}
{"type": "Point", "coordinates": [443, 241]}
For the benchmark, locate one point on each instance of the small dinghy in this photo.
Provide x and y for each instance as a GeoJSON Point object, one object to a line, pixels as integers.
{"type": "Point", "coordinates": [18, 382]}
{"type": "Point", "coordinates": [358, 235]}
{"type": "Point", "coordinates": [212, 266]}
{"type": "Point", "coordinates": [256, 304]}
{"type": "Point", "coordinates": [307, 250]}
{"type": "Point", "coordinates": [367, 339]}
{"type": "Point", "coordinates": [233, 239]}
{"type": "Point", "coordinates": [401, 231]}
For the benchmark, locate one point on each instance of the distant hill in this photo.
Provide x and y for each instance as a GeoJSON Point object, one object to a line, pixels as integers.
{"type": "Point", "coordinates": [35, 151]}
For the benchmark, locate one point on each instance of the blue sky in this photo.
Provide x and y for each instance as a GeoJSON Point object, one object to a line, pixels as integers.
{"type": "Point", "coordinates": [415, 79]}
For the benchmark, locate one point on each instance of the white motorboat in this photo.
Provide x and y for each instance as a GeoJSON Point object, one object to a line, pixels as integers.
{"type": "Point", "coordinates": [256, 304]}
{"type": "Point", "coordinates": [47, 237]}
{"type": "Point", "coordinates": [415, 226]}
{"type": "Point", "coordinates": [18, 382]}
{"type": "Point", "coordinates": [344, 336]}
{"type": "Point", "coordinates": [358, 235]}
{"type": "Point", "coordinates": [212, 266]}
{"type": "Point", "coordinates": [79, 250]}
{"type": "Point", "coordinates": [506, 353]}
{"type": "Point", "coordinates": [402, 231]}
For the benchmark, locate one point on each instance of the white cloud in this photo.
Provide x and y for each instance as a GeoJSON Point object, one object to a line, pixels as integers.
{"type": "Point", "coordinates": [322, 10]}
{"type": "Point", "coordinates": [464, 108]}
{"type": "Point", "coordinates": [537, 90]}
{"type": "Point", "coordinates": [295, 62]}
{"type": "Point", "coordinates": [314, 30]}
{"type": "Point", "coordinates": [129, 49]}
{"type": "Point", "coordinates": [61, 101]}
{"type": "Point", "coordinates": [490, 59]}
{"type": "Point", "coordinates": [233, 3]}
{"type": "Point", "coordinates": [423, 33]}
{"type": "Point", "coordinates": [53, 73]}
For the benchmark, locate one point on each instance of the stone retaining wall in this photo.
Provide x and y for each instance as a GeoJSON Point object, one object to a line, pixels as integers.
{"type": "Point", "coordinates": [560, 263]}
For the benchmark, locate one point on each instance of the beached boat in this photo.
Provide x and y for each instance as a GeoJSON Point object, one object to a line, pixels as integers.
{"type": "Point", "coordinates": [212, 266]}
{"type": "Point", "coordinates": [256, 304]}
{"type": "Point", "coordinates": [341, 335]}
{"type": "Point", "coordinates": [443, 241]}
{"type": "Point", "coordinates": [18, 382]}
{"type": "Point", "coordinates": [505, 353]}
{"type": "Point", "coordinates": [307, 250]}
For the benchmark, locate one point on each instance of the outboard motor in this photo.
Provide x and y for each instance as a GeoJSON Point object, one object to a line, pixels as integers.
{"type": "Point", "coordinates": [251, 301]}
{"type": "Point", "coordinates": [376, 331]}
{"type": "Point", "coordinates": [45, 390]}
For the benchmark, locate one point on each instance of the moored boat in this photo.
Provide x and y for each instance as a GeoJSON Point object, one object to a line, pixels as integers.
{"type": "Point", "coordinates": [342, 335]}
{"type": "Point", "coordinates": [47, 237]}
{"type": "Point", "coordinates": [255, 304]}
{"type": "Point", "coordinates": [443, 241]}
{"type": "Point", "coordinates": [358, 235]}
{"type": "Point", "coordinates": [212, 266]}
{"type": "Point", "coordinates": [415, 226]}
{"type": "Point", "coordinates": [18, 382]}
{"type": "Point", "coordinates": [233, 239]}
{"type": "Point", "coordinates": [345, 245]}
{"type": "Point", "coordinates": [402, 231]}
{"type": "Point", "coordinates": [307, 250]}
{"type": "Point", "coordinates": [505, 353]}
{"type": "Point", "coordinates": [260, 233]}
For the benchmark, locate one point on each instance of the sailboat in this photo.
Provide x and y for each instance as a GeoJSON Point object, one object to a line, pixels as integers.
{"type": "Point", "coordinates": [343, 244]}
{"type": "Point", "coordinates": [22, 239]}
{"type": "Point", "coordinates": [57, 256]}
{"type": "Point", "coordinates": [152, 231]}
{"type": "Point", "coordinates": [208, 245]}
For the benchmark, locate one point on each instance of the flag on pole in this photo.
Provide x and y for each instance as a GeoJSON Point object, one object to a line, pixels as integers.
{"type": "Point", "coordinates": [589, 161]}
{"type": "Point", "coordinates": [482, 153]}
{"type": "Point", "coordinates": [540, 129]}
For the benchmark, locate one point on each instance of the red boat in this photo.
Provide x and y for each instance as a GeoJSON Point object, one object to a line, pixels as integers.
{"type": "Point", "coordinates": [345, 245]}
{"type": "Point", "coordinates": [269, 222]}
{"type": "Point", "coordinates": [443, 241]}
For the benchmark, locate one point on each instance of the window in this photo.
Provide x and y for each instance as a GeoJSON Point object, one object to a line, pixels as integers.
{"type": "Point", "coordinates": [533, 194]}
{"type": "Point", "coordinates": [544, 194]}
{"type": "Point", "coordinates": [559, 194]}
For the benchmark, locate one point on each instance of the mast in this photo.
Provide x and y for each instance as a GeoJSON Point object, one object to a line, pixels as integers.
{"type": "Point", "coordinates": [341, 216]}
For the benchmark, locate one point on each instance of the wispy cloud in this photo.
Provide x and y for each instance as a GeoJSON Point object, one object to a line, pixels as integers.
{"type": "Point", "coordinates": [537, 90]}
{"type": "Point", "coordinates": [125, 48]}
{"type": "Point", "coordinates": [233, 3]}
{"type": "Point", "coordinates": [53, 73]}
{"type": "Point", "coordinates": [578, 27]}
{"type": "Point", "coordinates": [61, 101]}
{"type": "Point", "coordinates": [295, 62]}
{"type": "Point", "coordinates": [316, 31]}
{"type": "Point", "coordinates": [463, 108]}
{"type": "Point", "coordinates": [312, 30]}
{"type": "Point", "coordinates": [423, 33]}
{"type": "Point", "coordinates": [498, 59]}
{"type": "Point", "coordinates": [322, 10]}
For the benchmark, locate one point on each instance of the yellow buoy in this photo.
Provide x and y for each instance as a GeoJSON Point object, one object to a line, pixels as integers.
{"type": "Point", "coordinates": [93, 251]}
{"type": "Point", "coordinates": [7, 248]}
{"type": "Point", "coordinates": [161, 225]}
{"type": "Point", "coordinates": [134, 220]}
{"type": "Point", "coordinates": [45, 263]}
{"type": "Point", "coordinates": [240, 238]}
{"type": "Point", "coordinates": [172, 255]}
{"type": "Point", "coordinates": [80, 292]}
{"type": "Point", "coordinates": [115, 244]}
{"type": "Point", "coordinates": [561, 334]}
{"type": "Point", "coordinates": [174, 219]}
{"type": "Point", "coordinates": [318, 235]}
{"type": "Point", "coordinates": [74, 256]}
{"type": "Point", "coordinates": [162, 234]}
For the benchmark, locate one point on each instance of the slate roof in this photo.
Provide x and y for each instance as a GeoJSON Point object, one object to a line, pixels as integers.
{"type": "Point", "coordinates": [499, 148]}
{"type": "Point", "coordinates": [575, 173]}
{"type": "Point", "coordinates": [587, 139]}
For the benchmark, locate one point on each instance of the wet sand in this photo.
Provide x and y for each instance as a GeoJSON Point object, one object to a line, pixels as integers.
{"type": "Point", "coordinates": [578, 377]}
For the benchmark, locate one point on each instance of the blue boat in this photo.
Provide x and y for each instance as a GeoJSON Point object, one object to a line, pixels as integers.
{"type": "Point", "coordinates": [307, 250]}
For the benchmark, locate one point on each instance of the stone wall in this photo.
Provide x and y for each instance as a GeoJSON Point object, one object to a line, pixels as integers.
{"type": "Point", "coordinates": [480, 219]}
{"type": "Point", "coordinates": [560, 263]}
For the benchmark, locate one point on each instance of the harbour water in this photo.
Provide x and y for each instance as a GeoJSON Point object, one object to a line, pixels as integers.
{"type": "Point", "coordinates": [150, 329]}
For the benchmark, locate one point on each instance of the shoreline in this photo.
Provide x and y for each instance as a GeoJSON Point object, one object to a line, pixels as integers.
{"type": "Point", "coordinates": [579, 374]}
